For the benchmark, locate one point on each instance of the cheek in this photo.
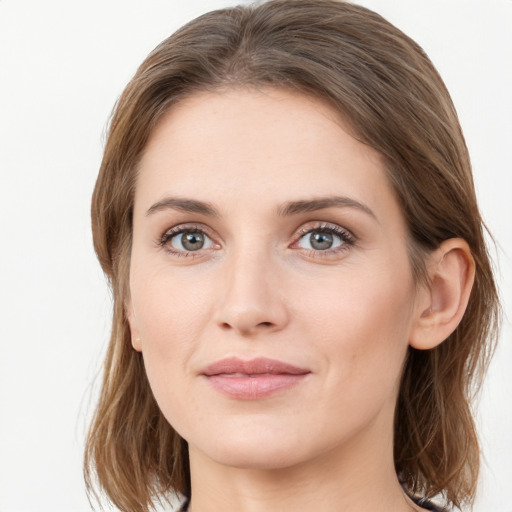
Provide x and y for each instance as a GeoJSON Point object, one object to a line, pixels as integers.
{"type": "Point", "coordinates": [363, 324]}
{"type": "Point", "coordinates": [171, 312]}
{"type": "Point", "coordinates": [168, 333]}
{"type": "Point", "coordinates": [169, 307]}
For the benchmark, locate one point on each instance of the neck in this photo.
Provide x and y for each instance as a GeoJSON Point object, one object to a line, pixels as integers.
{"type": "Point", "coordinates": [358, 478]}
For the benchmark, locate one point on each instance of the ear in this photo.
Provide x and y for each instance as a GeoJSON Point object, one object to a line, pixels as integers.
{"type": "Point", "coordinates": [134, 330]}
{"type": "Point", "coordinates": [440, 307]}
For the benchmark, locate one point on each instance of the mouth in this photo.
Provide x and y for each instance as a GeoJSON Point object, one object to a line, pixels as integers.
{"type": "Point", "coordinates": [253, 379]}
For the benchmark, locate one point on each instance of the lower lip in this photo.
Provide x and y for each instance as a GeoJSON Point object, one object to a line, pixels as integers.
{"type": "Point", "coordinates": [254, 387]}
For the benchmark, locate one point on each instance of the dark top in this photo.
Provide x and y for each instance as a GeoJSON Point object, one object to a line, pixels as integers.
{"type": "Point", "coordinates": [424, 503]}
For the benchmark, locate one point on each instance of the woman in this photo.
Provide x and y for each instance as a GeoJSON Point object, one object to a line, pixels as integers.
{"type": "Point", "coordinates": [303, 300]}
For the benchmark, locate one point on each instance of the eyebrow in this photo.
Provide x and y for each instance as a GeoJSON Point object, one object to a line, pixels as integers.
{"type": "Point", "coordinates": [185, 205]}
{"type": "Point", "coordinates": [311, 205]}
{"type": "Point", "coordinates": [285, 210]}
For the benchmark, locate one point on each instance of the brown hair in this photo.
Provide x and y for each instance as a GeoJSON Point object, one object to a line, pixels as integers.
{"type": "Point", "coordinates": [387, 89]}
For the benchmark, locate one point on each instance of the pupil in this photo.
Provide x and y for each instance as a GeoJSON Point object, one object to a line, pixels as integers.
{"type": "Point", "coordinates": [193, 241]}
{"type": "Point", "coordinates": [321, 240]}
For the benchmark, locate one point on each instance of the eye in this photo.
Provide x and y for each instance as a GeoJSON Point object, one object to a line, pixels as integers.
{"type": "Point", "coordinates": [186, 240]}
{"type": "Point", "coordinates": [325, 239]}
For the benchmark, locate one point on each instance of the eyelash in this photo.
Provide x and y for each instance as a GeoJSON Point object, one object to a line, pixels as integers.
{"type": "Point", "coordinates": [347, 238]}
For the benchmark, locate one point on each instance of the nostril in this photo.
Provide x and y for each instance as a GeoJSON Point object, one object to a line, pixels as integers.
{"type": "Point", "coordinates": [227, 326]}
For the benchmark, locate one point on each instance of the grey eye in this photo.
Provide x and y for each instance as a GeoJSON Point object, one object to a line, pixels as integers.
{"type": "Point", "coordinates": [320, 240]}
{"type": "Point", "coordinates": [191, 241]}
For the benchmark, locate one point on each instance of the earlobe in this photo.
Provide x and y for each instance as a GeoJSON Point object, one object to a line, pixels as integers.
{"type": "Point", "coordinates": [135, 337]}
{"type": "Point", "coordinates": [441, 306]}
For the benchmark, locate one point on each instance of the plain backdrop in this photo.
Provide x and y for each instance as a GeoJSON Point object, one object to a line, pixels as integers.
{"type": "Point", "coordinates": [62, 66]}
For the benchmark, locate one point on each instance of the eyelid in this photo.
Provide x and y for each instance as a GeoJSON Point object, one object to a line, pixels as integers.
{"type": "Point", "coordinates": [326, 226]}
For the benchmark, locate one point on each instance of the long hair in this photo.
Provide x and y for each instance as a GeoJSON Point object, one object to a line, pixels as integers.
{"type": "Point", "coordinates": [394, 100]}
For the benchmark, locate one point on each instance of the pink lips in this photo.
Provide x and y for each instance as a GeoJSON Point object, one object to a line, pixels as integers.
{"type": "Point", "coordinates": [253, 379]}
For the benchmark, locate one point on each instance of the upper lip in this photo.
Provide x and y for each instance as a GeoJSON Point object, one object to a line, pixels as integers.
{"type": "Point", "coordinates": [258, 366]}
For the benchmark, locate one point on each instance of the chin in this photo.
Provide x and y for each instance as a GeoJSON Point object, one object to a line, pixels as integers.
{"type": "Point", "coordinates": [257, 447]}
{"type": "Point", "coordinates": [256, 457]}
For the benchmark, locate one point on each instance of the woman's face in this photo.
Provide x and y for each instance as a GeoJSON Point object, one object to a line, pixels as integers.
{"type": "Point", "coordinates": [271, 292]}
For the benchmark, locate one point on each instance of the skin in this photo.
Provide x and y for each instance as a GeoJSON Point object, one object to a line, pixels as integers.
{"type": "Point", "coordinates": [258, 288]}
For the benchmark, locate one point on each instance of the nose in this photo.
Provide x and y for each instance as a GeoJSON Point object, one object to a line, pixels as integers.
{"type": "Point", "coordinates": [252, 298]}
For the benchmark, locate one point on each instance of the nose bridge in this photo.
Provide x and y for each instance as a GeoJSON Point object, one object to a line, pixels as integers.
{"type": "Point", "coordinates": [251, 297]}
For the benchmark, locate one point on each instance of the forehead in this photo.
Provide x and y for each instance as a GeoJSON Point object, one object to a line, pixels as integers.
{"type": "Point", "coordinates": [270, 142]}
{"type": "Point", "coordinates": [258, 115]}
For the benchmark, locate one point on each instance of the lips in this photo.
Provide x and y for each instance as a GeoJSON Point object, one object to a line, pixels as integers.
{"type": "Point", "coordinates": [253, 379]}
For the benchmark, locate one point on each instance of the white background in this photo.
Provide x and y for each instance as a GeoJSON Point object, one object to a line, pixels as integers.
{"type": "Point", "coordinates": [62, 66]}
